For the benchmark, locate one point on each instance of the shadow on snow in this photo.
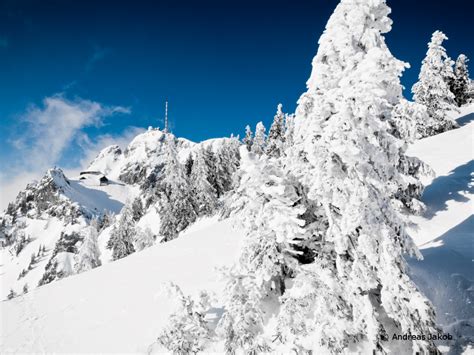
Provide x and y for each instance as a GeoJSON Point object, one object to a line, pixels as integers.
{"type": "Point", "coordinates": [448, 187]}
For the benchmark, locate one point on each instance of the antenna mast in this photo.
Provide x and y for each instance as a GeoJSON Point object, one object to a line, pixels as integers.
{"type": "Point", "coordinates": [166, 117]}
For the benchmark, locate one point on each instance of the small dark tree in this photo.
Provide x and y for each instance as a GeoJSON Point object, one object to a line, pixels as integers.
{"type": "Point", "coordinates": [460, 84]}
{"type": "Point", "coordinates": [137, 209]}
{"type": "Point", "coordinates": [188, 165]}
{"type": "Point", "coordinates": [11, 294]}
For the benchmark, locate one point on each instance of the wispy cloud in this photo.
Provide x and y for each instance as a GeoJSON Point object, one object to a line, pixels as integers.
{"type": "Point", "coordinates": [47, 131]}
{"type": "Point", "coordinates": [98, 54]}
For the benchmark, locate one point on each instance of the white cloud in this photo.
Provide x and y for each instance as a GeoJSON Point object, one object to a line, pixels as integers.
{"type": "Point", "coordinates": [47, 131]}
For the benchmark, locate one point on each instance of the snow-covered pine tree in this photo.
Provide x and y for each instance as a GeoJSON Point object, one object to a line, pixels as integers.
{"type": "Point", "coordinates": [356, 289]}
{"type": "Point", "coordinates": [227, 163]}
{"type": "Point", "coordinates": [248, 139]}
{"type": "Point", "coordinates": [137, 209]}
{"type": "Point", "coordinates": [267, 207]}
{"type": "Point", "coordinates": [122, 234]}
{"type": "Point", "coordinates": [460, 85]}
{"type": "Point", "coordinates": [268, 210]}
{"type": "Point", "coordinates": [204, 194]}
{"type": "Point", "coordinates": [106, 220]}
{"type": "Point", "coordinates": [174, 195]}
{"type": "Point", "coordinates": [187, 331]}
{"type": "Point", "coordinates": [25, 288]}
{"type": "Point", "coordinates": [403, 125]}
{"type": "Point", "coordinates": [88, 257]}
{"type": "Point", "coordinates": [432, 88]}
{"type": "Point", "coordinates": [258, 144]}
{"type": "Point", "coordinates": [144, 238]}
{"type": "Point", "coordinates": [289, 131]}
{"type": "Point", "coordinates": [211, 161]}
{"type": "Point", "coordinates": [276, 135]}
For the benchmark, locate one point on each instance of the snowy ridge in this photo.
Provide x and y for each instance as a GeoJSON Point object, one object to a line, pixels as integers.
{"type": "Point", "coordinates": [145, 153]}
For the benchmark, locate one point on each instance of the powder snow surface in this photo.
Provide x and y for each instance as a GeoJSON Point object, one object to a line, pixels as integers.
{"type": "Point", "coordinates": [445, 232]}
{"type": "Point", "coordinates": [121, 306]}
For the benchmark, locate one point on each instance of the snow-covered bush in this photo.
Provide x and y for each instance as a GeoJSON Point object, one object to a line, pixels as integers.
{"type": "Point", "coordinates": [187, 331]}
{"type": "Point", "coordinates": [241, 325]}
{"type": "Point", "coordinates": [144, 238]}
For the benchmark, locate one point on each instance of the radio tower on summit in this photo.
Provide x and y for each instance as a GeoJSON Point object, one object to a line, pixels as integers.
{"type": "Point", "coordinates": [166, 117]}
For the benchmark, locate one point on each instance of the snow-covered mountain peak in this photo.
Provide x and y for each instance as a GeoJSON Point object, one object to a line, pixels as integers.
{"type": "Point", "coordinates": [106, 159]}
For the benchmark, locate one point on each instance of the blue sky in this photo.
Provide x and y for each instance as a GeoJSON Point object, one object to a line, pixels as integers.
{"type": "Point", "coordinates": [221, 64]}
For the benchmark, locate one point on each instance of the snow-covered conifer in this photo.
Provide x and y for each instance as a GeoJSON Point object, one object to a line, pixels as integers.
{"type": "Point", "coordinates": [106, 220]}
{"type": "Point", "coordinates": [289, 131]}
{"type": "Point", "coordinates": [187, 331]}
{"type": "Point", "coordinates": [123, 233]}
{"type": "Point", "coordinates": [404, 120]}
{"type": "Point", "coordinates": [137, 209]}
{"type": "Point", "coordinates": [403, 123]}
{"type": "Point", "coordinates": [269, 213]}
{"type": "Point", "coordinates": [204, 194]}
{"type": "Point", "coordinates": [227, 163]}
{"type": "Point", "coordinates": [25, 288]}
{"type": "Point", "coordinates": [347, 158]}
{"type": "Point", "coordinates": [144, 238]}
{"type": "Point", "coordinates": [258, 144]}
{"type": "Point", "coordinates": [188, 165]}
{"type": "Point", "coordinates": [248, 139]}
{"type": "Point", "coordinates": [267, 207]}
{"type": "Point", "coordinates": [175, 198]}
{"type": "Point", "coordinates": [432, 88]}
{"type": "Point", "coordinates": [89, 254]}
{"type": "Point", "coordinates": [276, 135]}
{"type": "Point", "coordinates": [460, 85]}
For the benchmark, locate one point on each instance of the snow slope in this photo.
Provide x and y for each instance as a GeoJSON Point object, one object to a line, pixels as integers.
{"type": "Point", "coordinates": [445, 232]}
{"type": "Point", "coordinates": [121, 306]}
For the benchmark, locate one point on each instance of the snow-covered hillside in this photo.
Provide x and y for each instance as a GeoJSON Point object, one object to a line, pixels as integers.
{"type": "Point", "coordinates": [50, 216]}
{"type": "Point", "coordinates": [445, 233]}
{"type": "Point", "coordinates": [121, 306]}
